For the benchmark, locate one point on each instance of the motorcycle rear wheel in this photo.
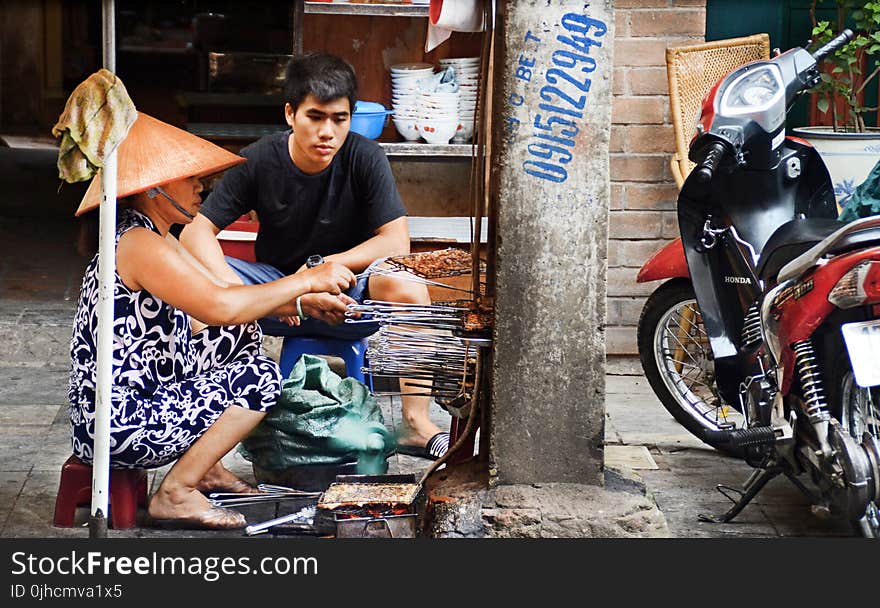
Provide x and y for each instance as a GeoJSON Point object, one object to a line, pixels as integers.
{"type": "Point", "coordinates": [677, 360]}
{"type": "Point", "coordinates": [860, 415]}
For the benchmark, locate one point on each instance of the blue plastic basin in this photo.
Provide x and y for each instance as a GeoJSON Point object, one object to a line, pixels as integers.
{"type": "Point", "coordinates": [369, 118]}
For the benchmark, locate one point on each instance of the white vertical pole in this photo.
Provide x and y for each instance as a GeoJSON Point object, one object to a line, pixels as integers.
{"type": "Point", "coordinates": [106, 281]}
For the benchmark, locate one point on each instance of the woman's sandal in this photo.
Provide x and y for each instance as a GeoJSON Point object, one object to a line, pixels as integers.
{"type": "Point", "coordinates": [215, 518]}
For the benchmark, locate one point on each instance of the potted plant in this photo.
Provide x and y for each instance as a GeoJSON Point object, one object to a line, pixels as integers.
{"type": "Point", "coordinates": [847, 145]}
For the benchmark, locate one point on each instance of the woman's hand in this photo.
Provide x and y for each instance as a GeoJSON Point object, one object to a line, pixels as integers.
{"type": "Point", "coordinates": [326, 307]}
{"type": "Point", "coordinates": [330, 277]}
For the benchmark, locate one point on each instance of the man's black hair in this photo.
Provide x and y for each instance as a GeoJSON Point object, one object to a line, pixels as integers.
{"type": "Point", "coordinates": [325, 76]}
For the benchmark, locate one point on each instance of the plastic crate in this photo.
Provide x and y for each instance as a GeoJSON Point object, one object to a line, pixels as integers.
{"type": "Point", "coordinates": [237, 240]}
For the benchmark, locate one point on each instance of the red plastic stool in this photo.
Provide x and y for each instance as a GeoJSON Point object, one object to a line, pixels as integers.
{"type": "Point", "coordinates": [128, 491]}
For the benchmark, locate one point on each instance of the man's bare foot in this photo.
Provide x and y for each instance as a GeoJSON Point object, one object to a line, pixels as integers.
{"type": "Point", "coordinates": [220, 479]}
{"type": "Point", "coordinates": [186, 507]}
{"type": "Point", "coordinates": [416, 435]}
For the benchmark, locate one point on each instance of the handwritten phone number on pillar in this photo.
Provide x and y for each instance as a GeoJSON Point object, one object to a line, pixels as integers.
{"type": "Point", "coordinates": [564, 96]}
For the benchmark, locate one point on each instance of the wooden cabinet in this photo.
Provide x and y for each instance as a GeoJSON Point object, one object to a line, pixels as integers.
{"type": "Point", "coordinates": [432, 179]}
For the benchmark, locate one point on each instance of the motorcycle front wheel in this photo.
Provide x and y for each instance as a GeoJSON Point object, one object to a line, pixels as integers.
{"type": "Point", "coordinates": [860, 416]}
{"type": "Point", "coordinates": [677, 359]}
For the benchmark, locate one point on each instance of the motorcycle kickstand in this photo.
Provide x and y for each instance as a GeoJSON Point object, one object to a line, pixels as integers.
{"type": "Point", "coordinates": [756, 481]}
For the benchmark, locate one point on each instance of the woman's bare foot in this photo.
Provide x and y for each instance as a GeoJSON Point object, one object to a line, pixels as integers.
{"type": "Point", "coordinates": [220, 479]}
{"type": "Point", "coordinates": [188, 507]}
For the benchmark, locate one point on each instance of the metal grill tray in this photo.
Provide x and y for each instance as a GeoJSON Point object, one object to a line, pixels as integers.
{"type": "Point", "coordinates": [362, 490]}
{"type": "Point", "coordinates": [449, 262]}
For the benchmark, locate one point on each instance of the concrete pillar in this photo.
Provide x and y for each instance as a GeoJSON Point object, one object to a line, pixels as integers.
{"type": "Point", "coordinates": [550, 183]}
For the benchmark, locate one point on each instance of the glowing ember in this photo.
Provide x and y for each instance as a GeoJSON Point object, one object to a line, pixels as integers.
{"type": "Point", "coordinates": [372, 511]}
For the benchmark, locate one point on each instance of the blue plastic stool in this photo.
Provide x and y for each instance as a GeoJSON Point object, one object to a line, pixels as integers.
{"type": "Point", "coordinates": [351, 351]}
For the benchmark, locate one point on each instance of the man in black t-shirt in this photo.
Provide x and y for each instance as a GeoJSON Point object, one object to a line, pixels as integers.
{"type": "Point", "coordinates": [319, 190]}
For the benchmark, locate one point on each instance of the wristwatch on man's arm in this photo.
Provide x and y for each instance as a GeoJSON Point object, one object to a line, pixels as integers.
{"type": "Point", "coordinates": [311, 262]}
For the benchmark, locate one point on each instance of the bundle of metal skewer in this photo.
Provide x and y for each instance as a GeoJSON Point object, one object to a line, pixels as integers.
{"type": "Point", "coordinates": [439, 365]}
{"type": "Point", "coordinates": [424, 346]}
{"type": "Point", "coordinates": [268, 493]}
{"type": "Point", "coordinates": [432, 348]}
{"type": "Point", "coordinates": [393, 313]}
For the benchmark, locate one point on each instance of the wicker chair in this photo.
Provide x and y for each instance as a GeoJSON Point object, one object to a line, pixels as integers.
{"type": "Point", "coordinates": [692, 70]}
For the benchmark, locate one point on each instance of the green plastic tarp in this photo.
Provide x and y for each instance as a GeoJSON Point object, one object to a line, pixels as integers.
{"type": "Point", "coordinates": [320, 419]}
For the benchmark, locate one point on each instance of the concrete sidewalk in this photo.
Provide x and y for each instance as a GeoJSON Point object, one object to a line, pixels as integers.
{"type": "Point", "coordinates": [39, 282]}
{"type": "Point", "coordinates": [35, 436]}
{"type": "Point", "coordinates": [683, 484]}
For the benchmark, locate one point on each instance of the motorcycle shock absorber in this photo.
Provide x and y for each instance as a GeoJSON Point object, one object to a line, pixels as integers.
{"type": "Point", "coordinates": [813, 393]}
{"type": "Point", "coordinates": [811, 381]}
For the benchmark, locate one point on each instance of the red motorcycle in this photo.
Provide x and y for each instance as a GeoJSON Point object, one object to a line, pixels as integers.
{"type": "Point", "coordinates": [764, 340]}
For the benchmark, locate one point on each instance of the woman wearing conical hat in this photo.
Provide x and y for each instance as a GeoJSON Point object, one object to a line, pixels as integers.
{"type": "Point", "coordinates": [178, 395]}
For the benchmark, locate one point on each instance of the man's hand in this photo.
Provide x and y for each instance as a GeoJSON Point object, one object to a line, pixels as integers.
{"type": "Point", "coordinates": [325, 307]}
{"type": "Point", "coordinates": [330, 277]}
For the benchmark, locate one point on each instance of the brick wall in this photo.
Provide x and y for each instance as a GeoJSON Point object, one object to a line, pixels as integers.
{"type": "Point", "coordinates": [643, 192]}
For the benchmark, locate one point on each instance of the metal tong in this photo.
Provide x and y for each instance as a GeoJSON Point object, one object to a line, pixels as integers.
{"type": "Point", "coordinates": [304, 517]}
{"type": "Point", "coordinates": [269, 493]}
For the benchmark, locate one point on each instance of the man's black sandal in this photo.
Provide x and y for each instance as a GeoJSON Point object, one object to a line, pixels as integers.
{"type": "Point", "coordinates": [434, 449]}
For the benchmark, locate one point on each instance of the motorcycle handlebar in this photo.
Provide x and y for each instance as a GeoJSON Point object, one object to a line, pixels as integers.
{"type": "Point", "coordinates": [844, 37]}
{"type": "Point", "coordinates": [705, 170]}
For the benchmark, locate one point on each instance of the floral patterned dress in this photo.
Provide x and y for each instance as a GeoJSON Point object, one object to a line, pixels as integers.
{"type": "Point", "coordinates": [169, 385]}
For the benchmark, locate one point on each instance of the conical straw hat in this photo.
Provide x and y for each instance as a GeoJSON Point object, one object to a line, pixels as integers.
{"type": "Point", "coordinates": [155, 153]}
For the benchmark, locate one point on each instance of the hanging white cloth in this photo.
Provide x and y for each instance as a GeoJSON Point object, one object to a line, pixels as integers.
{"type": "Point", "coordinates": [450, 16]}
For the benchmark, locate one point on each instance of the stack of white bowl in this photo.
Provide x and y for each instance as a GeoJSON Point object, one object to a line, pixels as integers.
{"type": "Point", "coordinates": [404, 96]}
{"type": "Point", "coordinates": [438, 116]}
{"type": "Point", "coordinates": [467, 75]}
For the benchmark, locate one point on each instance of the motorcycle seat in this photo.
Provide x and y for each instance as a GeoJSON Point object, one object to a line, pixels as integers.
{"type": "Point", "coordinates": [795, 237]}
